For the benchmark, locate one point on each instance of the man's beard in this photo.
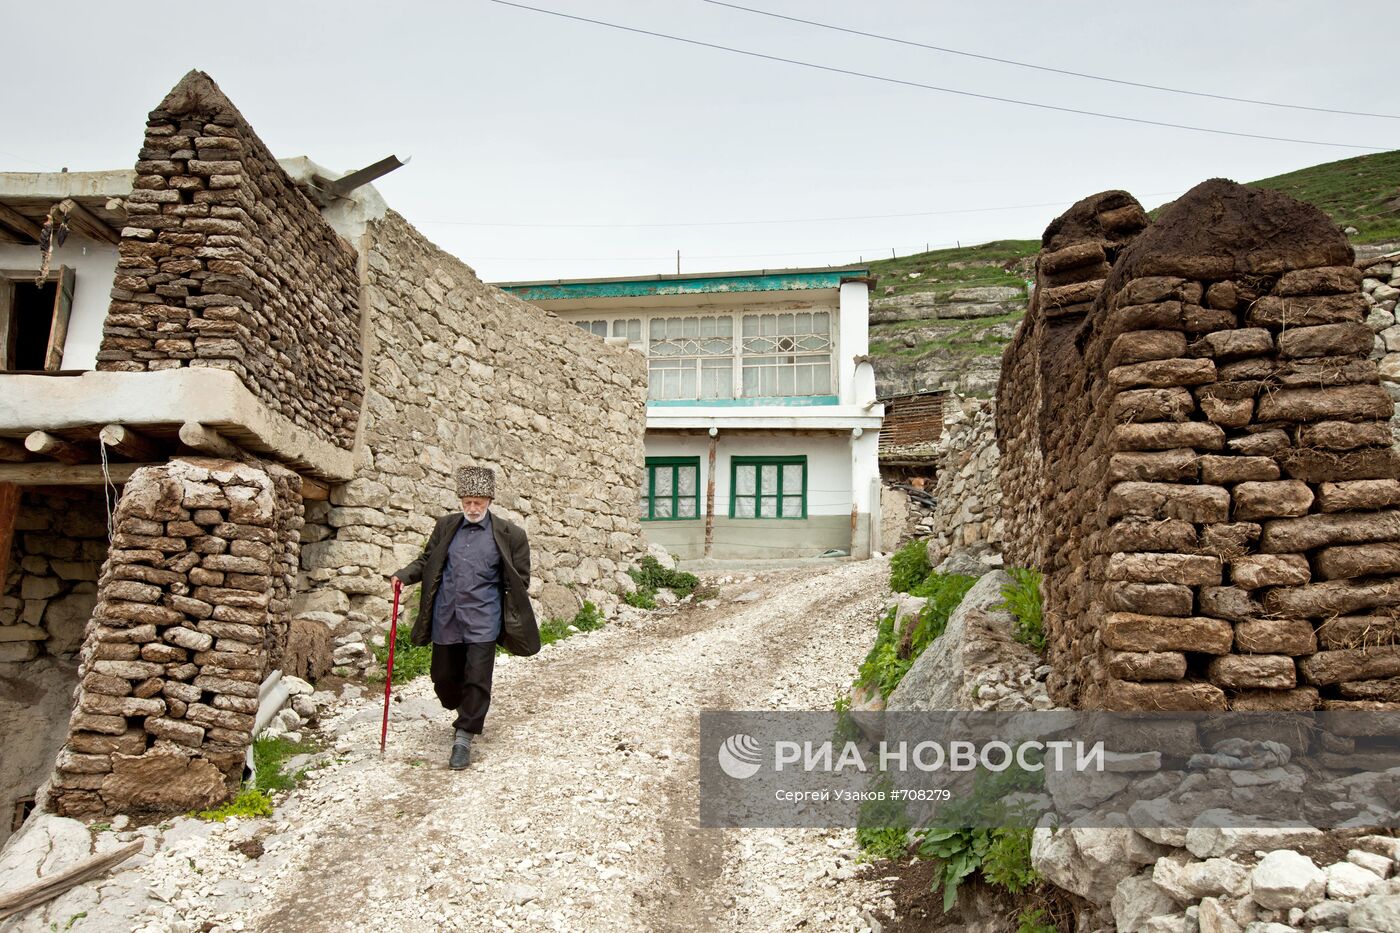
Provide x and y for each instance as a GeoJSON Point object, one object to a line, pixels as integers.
{"type": "Point", "coordinates": [467, 515]}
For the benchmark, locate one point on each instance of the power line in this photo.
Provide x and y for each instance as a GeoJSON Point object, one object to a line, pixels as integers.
{"type": "Point", "coordinates": [932, 87]}
{"type": "Point", "coordinates": [794, 220]}
{"type": "Point", "coordinates": [1058, 71]}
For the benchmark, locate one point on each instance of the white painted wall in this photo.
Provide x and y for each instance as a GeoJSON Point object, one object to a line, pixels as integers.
{"type": "Point", "coordinates": [854, 340]}
{"type": "Point", "coordinates": [94, 265]}
{"type": "Point", "coordinates": [828, 464]}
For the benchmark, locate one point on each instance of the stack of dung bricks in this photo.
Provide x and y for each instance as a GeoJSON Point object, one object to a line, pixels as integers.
{"type": "Point", "coordinates": [188, 601]}
{"type": "Point", "coordinates": [1043, 410]}
{"type": "Point", "coordinates": [225, 263]}
{"type": "Point", "coordinates": [1218, 472]}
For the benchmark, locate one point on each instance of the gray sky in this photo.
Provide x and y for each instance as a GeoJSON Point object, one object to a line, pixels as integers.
{"type": "Point", "coordinates": [514, 117]}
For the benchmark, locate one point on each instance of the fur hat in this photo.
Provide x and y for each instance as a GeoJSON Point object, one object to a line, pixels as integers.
{"type": "Point", "coordinates": [476, 481]}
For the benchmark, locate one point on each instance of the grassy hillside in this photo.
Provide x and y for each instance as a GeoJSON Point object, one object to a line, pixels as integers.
{"type": "Point", "coordinates": [943, 271]}
{"type": "Point", "coordinates": [1363, 192]}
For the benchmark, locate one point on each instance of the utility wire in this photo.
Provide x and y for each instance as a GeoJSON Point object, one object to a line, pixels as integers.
{"type": "Point", "coordinates": [1058, 71]}
{"type": "Point", "coordinates": [931, 87]}
{"type": "Point", "coordinates": [793, 220]}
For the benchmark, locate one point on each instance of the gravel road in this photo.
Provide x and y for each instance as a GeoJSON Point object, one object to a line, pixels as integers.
{"type": "Point", "coordinates": [579, 811]}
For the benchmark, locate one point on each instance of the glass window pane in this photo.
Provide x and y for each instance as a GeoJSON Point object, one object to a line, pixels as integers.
{"type": "Point", "coordinates": [769, 507]}
{"type": "Point", "coordinates": [687, 508]}
{"type": "Point", "coordinates": [744, 475]}
{"type": "Point", "coordinates": [821, 379]}
{"type": "Point", "coordinates": [686, 480]}
{"type": "Point", "coordinates": [662, 481]}
{"type": "Point", "coordinates": [743, 507]}
{"type": "Point", "coordinates": [663, 508]}
{"type": "Point", "coordinates": [792, 506]}
{"type": "Point", "coordinates": [768, 482]}
{"type": "Point", "coordinates": [792, 478]}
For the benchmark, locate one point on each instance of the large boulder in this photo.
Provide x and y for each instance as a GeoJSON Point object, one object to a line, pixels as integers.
{"type": "Point", "coordinates": [978, 637]}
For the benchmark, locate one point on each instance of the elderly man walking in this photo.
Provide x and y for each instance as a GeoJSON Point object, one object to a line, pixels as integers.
{"type": "Point", "coordinates": [475, 571]}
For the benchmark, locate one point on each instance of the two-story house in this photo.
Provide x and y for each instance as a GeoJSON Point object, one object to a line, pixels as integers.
{"type": "Point", "coordinates": [761, 419]}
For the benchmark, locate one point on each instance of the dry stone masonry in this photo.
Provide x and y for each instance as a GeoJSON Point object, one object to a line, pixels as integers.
{"type": "Point", "coordinates": [192, 602]}
{"type": "Point", "coordinates": [966, 517]}
{"type": "Point", "coordinates": [460, 373]}
{"type": "Point", "coordinates": [60, 542]}
{"type": "Point", "coordinates": [1191, 415]}
{"type": "Point", "coordinates": [225, 263]}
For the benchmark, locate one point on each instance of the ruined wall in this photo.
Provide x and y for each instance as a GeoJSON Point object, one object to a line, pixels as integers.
{"type": "Point", "coordinates": [192, 600]}
{"type": "Point", "coordinates": [225, 263]}
{"type": "Point", "coordinates": [461, 373]}
{"type": "Point", "coordinates": [60, 541]}
{"type": "Point", "coordinates": [967, 510]}
{"type": "Point", "coordinates": [1217, 475]}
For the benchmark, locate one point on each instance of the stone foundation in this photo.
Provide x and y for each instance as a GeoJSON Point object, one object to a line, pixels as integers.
{"type": "Point", "coordinates": [191, 616]}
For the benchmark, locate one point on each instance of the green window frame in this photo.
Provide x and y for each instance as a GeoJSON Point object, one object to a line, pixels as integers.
{"type": "Point", "coordinates": [670, 501]}
{"type": "Point", "coordinates": [772, 481]}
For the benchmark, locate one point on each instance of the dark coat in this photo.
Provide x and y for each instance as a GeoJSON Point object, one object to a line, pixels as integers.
{"type": "Point", "coordinates": [520, 634]}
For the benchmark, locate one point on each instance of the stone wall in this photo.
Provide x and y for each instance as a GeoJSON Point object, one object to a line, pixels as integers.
{"type": "Point", "coordinates": [1380, 285]}
{"type": "Point", "coordinates": [60, 541]}
{"type": "Point", "coordinates": [461, 373]}
{"type": "Point", "coordinates": [967, 497]}
{"type": "Point", "coordinates": [225, 263]}
{"type": "Point", "coordinates": [1212, 460]}
{"type": "Point", "coordinates": [192, 601]}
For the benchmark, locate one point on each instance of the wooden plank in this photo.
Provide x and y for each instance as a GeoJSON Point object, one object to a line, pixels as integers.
{"type": "Point", "coordinates": [129, 443]}
{"type": "Point", "coordinates": [17, 221]}
{"type": "Point", "coordinates": [314, 490]}
{"type": "Point", "coordinates": [9, 512]}
{"type": "Point", "coordinates": [60, 474]}
{"type": "Point", "coordinates": [62, 311]}
{"type": "Point", "coordinates": [9, 330]}
{"type": "Point", "coordinates": [208, 441]}
{"type": "Point", "coordinates": [46, 889]}
{"type": "Point", "coordinates": [45, 444]}
{"type": "Point", "coordinates": [90, 224]}
{"type": "Point", "coordinates": [12, 451]}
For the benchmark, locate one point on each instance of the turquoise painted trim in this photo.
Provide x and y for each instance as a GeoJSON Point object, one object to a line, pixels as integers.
{"type": "Point", "coordinates": [786, 401]}
{"type": "Point", "coordinates": [702, 285]}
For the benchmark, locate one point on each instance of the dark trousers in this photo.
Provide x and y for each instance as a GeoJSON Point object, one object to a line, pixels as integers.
{"type": "Point", "coordinates": [462, 680]}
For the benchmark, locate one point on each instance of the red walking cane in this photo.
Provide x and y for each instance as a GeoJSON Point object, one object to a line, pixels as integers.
{"type": "Point", "coordinates": [389, 673]}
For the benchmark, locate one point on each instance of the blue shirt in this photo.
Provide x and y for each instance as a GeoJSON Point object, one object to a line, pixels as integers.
{"type": "Point", "coordinates": [468, 604]}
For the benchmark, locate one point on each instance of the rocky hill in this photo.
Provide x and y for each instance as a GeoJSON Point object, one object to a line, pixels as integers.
{"type": "Point", "coordinates": [941, 318]}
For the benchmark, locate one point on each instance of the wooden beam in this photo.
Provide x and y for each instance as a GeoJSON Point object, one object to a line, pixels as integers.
{"type": "Point", "coordinates": [9, 511]}
{"type": "Point", "coordinates": [129, 444]}
{"type": "Point", "coordinates": [90, 224]}
{"type": "Point", "coordinates": [45, 444]}
{"type": "Point", "coordinates": [13, 451]}
{"type": "Point", "coordinates": [46, 889]}
{"type": "Point", "coordinates": [60, 474]}
{"type": "Point", "coordinates": [314, 490]}
{"type": "Point", "coordinates": [17, 221]}
{"type": "Point", "coordinates": [208, 441]}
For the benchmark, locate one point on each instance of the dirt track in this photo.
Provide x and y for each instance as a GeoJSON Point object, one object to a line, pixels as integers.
{"type": "Point", "coordinates": [579, 811]}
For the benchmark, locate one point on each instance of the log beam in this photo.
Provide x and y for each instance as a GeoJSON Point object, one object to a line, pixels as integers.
{"type": "Point", "coordinates": [59, 474]}
{"type": "Point", "coordinates": [12, 451]}
{"type": "Point", "coordinates": [208, 441]}
{"type": "Point", "coordinates": [16, 221]}
{"type": "Point", "coordinates": [129, 444]}
{"type": "Point", "coordinates": [46, 445]}
{"type": "Point", "coordinates": [90, 224]}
